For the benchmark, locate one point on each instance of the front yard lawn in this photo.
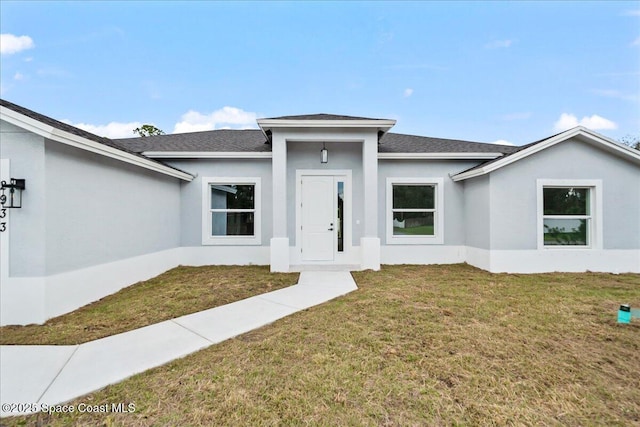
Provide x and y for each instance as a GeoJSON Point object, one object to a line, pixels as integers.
{"type": "Point", "coordinates": [179, 291]}
{"type": "Point", "coordinates": [414, 346]}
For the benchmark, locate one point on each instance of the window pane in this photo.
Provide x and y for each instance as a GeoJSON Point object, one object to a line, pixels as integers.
{"type": "Point", "coordinates": [232, 197]}
{"type": "Point", "coordinates": [413, 197]}
{"type": "Point", "coordinates": [566, 201]}
{"type": "Point", "coordinates": [232, 224]}
{"type": "Point", "coordinates": [413, 224]}
{"type": "Point", "coordinates": [565, 232]}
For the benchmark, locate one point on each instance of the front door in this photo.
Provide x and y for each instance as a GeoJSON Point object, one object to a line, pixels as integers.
{"type": "Point", "coordinates": [319, 228]}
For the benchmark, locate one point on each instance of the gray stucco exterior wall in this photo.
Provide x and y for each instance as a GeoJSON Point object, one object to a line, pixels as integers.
{"type": "Point", "coordinates": [191, 192]}
{"type": "Point", "coordinates": [514, 201]}
{"type": "Point", "coordinates": [26, 153]}
{"type": "Point", "coordinates": [477, 213]}
{"type": "Point", "coordinates": [342, 156]}
{"type": "Point", "coordinates": [454, 209]}
{"type": "Point", "coordinates": [101, 210]}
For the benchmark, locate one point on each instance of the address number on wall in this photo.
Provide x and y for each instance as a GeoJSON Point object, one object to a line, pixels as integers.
{"type": "Point", "coordinates": [3, 214]}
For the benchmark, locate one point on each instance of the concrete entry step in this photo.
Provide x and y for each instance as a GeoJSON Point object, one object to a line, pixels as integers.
{"type": "Point", "coordinates": [297, 268]}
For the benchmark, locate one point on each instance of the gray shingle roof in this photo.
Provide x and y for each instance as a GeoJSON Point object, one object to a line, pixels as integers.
{"type": "Point", "coordinates": [321, 116]}
{"type": "Point", "coordinates": [253, 140]}
{"type": "Point", "coordinates": [63, 126]}
{"type": "Point", "coordinates": [76, 131]}
{"type": "Point", "coordinates": [515, 150]}
{"type": "Point", "coordinates": [223, 140]}
{"type": "Point", "coordinates": [400, 143]}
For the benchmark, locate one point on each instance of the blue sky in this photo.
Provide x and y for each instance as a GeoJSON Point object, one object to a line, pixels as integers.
{"type": "Point", "coordinates": [482, 71]}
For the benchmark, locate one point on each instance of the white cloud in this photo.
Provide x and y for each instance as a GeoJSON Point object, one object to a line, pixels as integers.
{"type": "Point", "coordinates": [636, 42]}
{"type": "Point", "coordinates": [408, 92]}
{"type": "Point", "coordinates": [12, 44]}
{"type": "Point", "coordinates": [497, 44]}
{"type": "Point", "coordinates": [595, 122]}
{"type": "Point", "coordinates": [224, 118]}
{"type": "Point", "coordinates": [111, 130]}
{"type": "Point", "coordinates": [502, 142]}
{"type": "Point", "coordinates": [634, 12]}
{"type": "Point", "coordinates": [18, 76]}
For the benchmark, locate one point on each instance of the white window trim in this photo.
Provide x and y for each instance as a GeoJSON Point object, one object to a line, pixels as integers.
{"type": "Point", "coordinates": [438, 221]}
{"type": "Point", "coordinates": [207, 238]}
{"type": "Point", "coordinates": [595, 230]}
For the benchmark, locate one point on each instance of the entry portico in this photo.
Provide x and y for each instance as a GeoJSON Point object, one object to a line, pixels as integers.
{"type": "Point", "coordinates": [318, 198]}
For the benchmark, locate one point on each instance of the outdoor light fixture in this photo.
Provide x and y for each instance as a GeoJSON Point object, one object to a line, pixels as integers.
{"type": "Point", "coordinates": [324, 154]}
{"type": "Point", "coordinates": [14, 198]}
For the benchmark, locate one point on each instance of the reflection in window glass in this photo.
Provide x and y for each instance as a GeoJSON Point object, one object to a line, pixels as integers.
{"type": "Point", "coordinates": [566, 216]}
{"type": "Point", "coordinates": [232, 210]}
{"type": "Point", "coordinates": [413, 210]}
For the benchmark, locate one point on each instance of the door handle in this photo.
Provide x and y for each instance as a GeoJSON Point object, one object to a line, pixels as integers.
{"type": "Point", "coordinates": [331, 229]}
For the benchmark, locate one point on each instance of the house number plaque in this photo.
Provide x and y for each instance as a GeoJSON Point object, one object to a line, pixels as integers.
{"type": "Point", "coordinates": [3, 213]}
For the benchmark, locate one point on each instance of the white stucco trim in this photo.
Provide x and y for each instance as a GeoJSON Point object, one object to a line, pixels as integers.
{"type": "Point", "coordinates": [63, 137]}
{"type": "Point", "coordinates": [596, 209]}
{"type": "Point", "coordinates": [589, 135]}
{"type": "Point", "coordinates": [438, 156]}
{"type": "Point", "coordinates": [427, 254]}
{"type": "Point", "coordinates": [439, 214]}
{"type": "Point", "coordinates": [207, 154]}
{"type": "Point", "coordinates": [224, 255]}
{"type": "Point", "coordinates": [279, 255]}
{"type": "Point", "coordinates": [568, 260]}
{"type": "Point", "coordinates": [381, 124]}
{"type": "Point", "coordinates": [207, 238]}
{"type": "Point", "coordinates": [25, 300]}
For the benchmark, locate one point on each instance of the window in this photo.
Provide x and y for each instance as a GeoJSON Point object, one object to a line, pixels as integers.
{"type": "Point", "coordinates": [568, 217]}
{"type": "Point", "coordinates": [231, 211]}
{"type": "Point", "coordinates": [414, 208]}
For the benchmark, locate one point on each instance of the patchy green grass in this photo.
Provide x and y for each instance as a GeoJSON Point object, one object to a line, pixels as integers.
{"type": "Point", "coordinates": [179, 291]}
{"type": "Point", "coordinates": [415, 345]}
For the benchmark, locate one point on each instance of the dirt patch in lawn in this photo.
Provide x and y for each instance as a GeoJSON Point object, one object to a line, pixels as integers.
{"type": "Point", "coordinates": [179, 291]}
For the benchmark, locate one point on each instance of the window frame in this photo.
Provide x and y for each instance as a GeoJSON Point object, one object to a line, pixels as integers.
{"type": "Point", "coordinates": [438, 212]}
{"type": "Point", "coordinates": [207, 212]}
{"type": "Point", "coordinates": [594, 218]}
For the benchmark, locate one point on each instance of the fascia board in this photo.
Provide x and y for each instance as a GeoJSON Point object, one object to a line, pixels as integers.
{"type": "Point", "coordinates": [276, 123]}
{"type": "Point", "coordinates": [50, 132]}
{"type": "Point", "coordinates": [207, 154]}
{"type": "Point", "coordinates": [438, 156]}
{"type": "Point", "coordinates": [579, 130]}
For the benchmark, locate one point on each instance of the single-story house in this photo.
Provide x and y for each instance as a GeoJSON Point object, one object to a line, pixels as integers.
{"type": "Point", "coordinates": [299, 192]}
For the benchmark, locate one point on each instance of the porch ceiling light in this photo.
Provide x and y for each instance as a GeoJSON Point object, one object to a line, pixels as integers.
{"type": "Point", "coordinates": [324, 154]}
{"type": "Point", "coordinates": [11, 193]}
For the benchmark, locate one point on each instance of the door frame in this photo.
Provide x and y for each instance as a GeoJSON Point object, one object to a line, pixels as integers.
{"type": "Point", "coordinates": [339, 257]}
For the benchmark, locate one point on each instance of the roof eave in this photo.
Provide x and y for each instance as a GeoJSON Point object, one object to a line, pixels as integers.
{"type": "Point", "coordinates": [592, 136]}
{"type": "Point", "coordinates": [439, 156]}
{"type": "Point", "coordinates": [379, 124]}
{"type": "Point", "coordinates": [32, 125]}
{"type": "Point", "coordinates": [208, 154]}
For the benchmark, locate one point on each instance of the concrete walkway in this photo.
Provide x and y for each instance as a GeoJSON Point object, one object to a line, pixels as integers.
{"type": "Point", "coordinates": [44, 375]}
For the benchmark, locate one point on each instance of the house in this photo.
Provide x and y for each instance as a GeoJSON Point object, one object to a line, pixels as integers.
{"type": "Point", "coordinates": [300, 192]}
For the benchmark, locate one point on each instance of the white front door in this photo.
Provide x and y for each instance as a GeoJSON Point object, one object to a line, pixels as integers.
{"type": "Point", "coordinates": [318, 218]}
